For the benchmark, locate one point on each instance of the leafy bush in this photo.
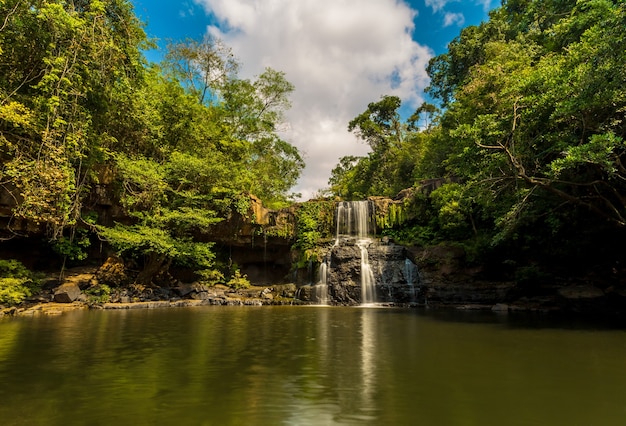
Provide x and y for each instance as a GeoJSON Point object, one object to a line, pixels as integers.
{"type": "Point", "coordinates": [16, 282]}
{"type": "Point", "coordinates": [238, 281]}
{"type": "Point", "coordinates": [530, 275]}
{"type": "Point", "coordinates": [211, 276]}
{"type": "Point", "coordinates": [73, 248]}
{"type": "Point", "coordinates": [99, 294]}
{"type": "Point", "coordinates": [314, 222]}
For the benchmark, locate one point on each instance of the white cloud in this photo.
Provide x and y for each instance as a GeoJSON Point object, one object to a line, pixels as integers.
{"type": "Point", "coordinates": [453, 18]}
{"type": "Point", "coordinates": [187, 10]}
{"type": "Point", "coordinates": [339, 54]}
{"type": "Point", "coordinates": [439, 5]}
{"type": "Point", "coordinates": [486, 4]}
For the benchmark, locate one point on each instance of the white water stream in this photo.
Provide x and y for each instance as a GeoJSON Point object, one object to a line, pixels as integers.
{"type": "Point", "coordinates": [354, 219]}
{"type": "Point", "coordinates": [321, 288]}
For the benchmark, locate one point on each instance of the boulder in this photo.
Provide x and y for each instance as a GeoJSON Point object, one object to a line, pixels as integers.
{"type": "Point", "coordinates": [194, 291]}
{"type": "Point", "coordinates": [582, 298]}
{"type": "Point", "coordinates": [113, 272]}
{"type": "Point", "coordinates": [267, 294]}
{"type": "Point", "coordinates": [67, 293]}
{"type": "Point", "coordinates": [500, 307]}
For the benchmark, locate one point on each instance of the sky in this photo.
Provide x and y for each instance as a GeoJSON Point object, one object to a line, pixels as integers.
{"type": "Point", "coordinates": [339, 54]}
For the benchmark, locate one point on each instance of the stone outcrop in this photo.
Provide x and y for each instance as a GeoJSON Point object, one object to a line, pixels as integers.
{"type": "Point", "coordinates": [67, 292]}
{"type": "Point", "coordinates": [260, 243]}
{"type": "Point", "coordinates": [113, 272]}
{"type": "Point", "coordinates": [396, 277]}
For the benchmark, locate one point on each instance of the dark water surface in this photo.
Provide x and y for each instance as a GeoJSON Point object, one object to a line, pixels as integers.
{"type": "Point", "coordinates": [308, 366]}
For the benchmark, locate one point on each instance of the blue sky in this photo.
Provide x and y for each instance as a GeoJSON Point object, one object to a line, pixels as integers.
{"type": "Point", "coordinates": [339, 54]}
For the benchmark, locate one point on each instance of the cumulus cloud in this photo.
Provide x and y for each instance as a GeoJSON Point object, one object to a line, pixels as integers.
{"type": "Point", "coordinates": [453, 18]}
{"type": "Point", "coordinates": [339, 54]}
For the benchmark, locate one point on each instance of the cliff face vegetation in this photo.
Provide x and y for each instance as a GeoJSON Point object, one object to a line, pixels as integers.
{"type": "Point", "coordinates": [517, 165]}
{"type": "Point", "coordinates": [99, 146]}
{"type": "Point", "coordinates": [525, 144]}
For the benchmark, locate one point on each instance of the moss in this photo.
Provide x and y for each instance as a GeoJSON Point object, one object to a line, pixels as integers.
{"type": "Point", "coordinates": [392, 216]}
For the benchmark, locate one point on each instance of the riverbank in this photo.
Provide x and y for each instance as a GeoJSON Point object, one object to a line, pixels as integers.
{"type": "Point", "coordinates": [55, 308]}
{"type": "Point", "coordinates": [443, 284]}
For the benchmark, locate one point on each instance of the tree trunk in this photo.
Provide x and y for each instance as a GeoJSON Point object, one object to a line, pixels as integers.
{"type": "Point", "coordinates": [155, 264]}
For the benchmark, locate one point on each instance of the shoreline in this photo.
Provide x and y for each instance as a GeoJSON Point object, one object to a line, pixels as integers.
{"type": "Point", "coordinates": [56, 308]}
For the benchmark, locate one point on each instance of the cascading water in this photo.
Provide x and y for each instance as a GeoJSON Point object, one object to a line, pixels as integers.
{"type": "Point", "coordinates": [368, 283]}
{"type": "Point", "coordinates": [355, 219]}
{"type": "Point", "coordinates": [321, 288]}
{"type": "Point", "coordinates": [411, 275]}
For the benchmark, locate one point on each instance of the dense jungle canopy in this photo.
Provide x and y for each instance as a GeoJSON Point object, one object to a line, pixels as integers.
{"type": "Point", "coordinates": [528, 134]}
{"type": "Point", "coordinates": [182, 142]}
{"type": "Point", "coordinates": [524, 135]}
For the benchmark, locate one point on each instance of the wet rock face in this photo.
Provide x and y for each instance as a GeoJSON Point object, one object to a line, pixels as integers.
{"type": "Point", "coordinates": [344, 275]}
{"type": "Point", "coordinates": [396, 279]}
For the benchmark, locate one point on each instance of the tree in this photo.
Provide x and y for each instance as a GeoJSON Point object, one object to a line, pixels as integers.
{"type": "Point", "coordinates": [379, 125]}
{"type": "Point", "coordinates": [426, 110]}
{"type": "Point", "coordinates": [169, 210]}
{"type": "Point", "coordinates": [204, 67]}
{"type": "Point", "coordinates": [62, 64]}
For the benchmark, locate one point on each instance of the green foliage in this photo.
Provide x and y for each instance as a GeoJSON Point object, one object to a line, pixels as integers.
{"type": "Point", "coordinates": [412, 234]}
{"type": "Point", "coordinates": [211, 276]}
{"type": "Point", "coordinates": [139, 240]}
{"type": "Point", "coordinates": [73, 247]}
{"type": "Point", "coordinates": [379, 125]}
{"type": "Point", "coordinates": [532, 134]}
{"type": "Point", "coordinates": [16, 282]}
{"type": "Point", "coordinates": [393, 216]}
{"type": "Point", "coordinates": [100, 293]}
{"type": "Point", "coordinates": [182, 143]}
{"type": "Point", "coordinates": [530, 275]}
{"type": "Point", "coordinates": [238, 281]}
{"type": "Point", "coordinates": [314, 222]}
{"type": "Point", "coordinates": [14, 290]}
{"type": "Point", "coordinates": [63, 66]}
{"type": "Point", "coordinates": [398, 155]}
{"type": "Point", "coordinates": [448, 204]}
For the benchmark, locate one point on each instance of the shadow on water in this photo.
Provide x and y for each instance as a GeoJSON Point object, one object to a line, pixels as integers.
{"type": "Point", "coordinates": [526, 320]}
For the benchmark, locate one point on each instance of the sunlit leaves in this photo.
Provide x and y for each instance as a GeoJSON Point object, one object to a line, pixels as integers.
{"type": "Point", "coordinates": [57, 84]}
{"type": "Point", "coordinates": [602, 151]}
{"type": "Point", "coordinates": [204, 67]}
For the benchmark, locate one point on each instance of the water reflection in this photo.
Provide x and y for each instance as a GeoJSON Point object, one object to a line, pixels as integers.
{"type": "Point", "coordinates": [368, 357]}
{"type": "Point", "coordinates": [306, 366]}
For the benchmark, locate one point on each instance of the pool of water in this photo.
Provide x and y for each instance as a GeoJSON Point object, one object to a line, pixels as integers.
{"type": "Point", "coordinates": [309, 366]}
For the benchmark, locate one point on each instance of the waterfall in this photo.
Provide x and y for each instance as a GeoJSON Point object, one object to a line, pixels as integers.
{"type": "Point", "coordinates": [321, 288]}
{"type": "Point", "coordinates": [368, 283]}
{"type": "Point", "coordinates": [355, 220]}
{"type": "Point", "coordinates": [411, 274]}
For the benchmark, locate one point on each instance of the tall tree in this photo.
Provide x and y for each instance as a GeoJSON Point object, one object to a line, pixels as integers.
{"type": "Point", "coordinates": [203, 66]}
{"type": "Point", "coordinates": [63, 63]}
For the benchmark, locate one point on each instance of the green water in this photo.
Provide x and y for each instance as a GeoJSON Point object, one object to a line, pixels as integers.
{"type": "Point", "coordinates": [308, 366]}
